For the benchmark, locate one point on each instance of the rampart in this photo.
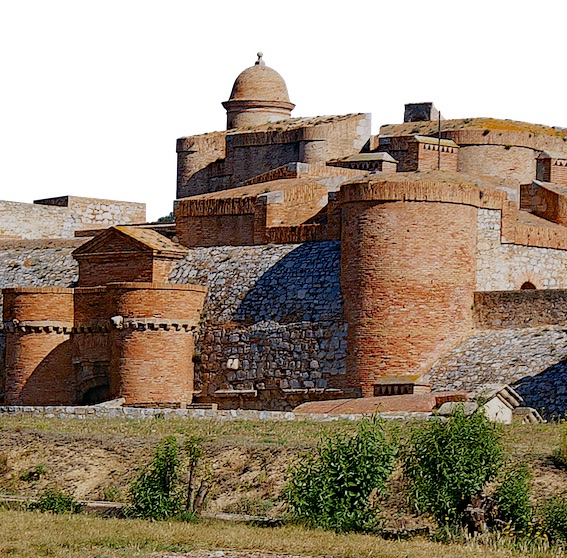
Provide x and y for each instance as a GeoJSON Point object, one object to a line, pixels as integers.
{"type": "Point", "coordinates": [223, 160]}
{"type": "Point", "coordinates": [487, 146]}
{"type": "Point", "coordinates": [129, 340]}
{"type": "Point", "coordinates": [61, 217]}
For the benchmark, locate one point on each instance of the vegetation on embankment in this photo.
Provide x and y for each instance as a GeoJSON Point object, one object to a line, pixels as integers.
{"type": "Point", "coordinates": [98, 458]}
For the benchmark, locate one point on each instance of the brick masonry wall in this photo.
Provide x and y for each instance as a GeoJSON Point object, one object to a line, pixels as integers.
{"type": "Point", "coordinates": [558, 172]}
{"type": "Point", "coordinates": [99, 271]}
{"type": "Point", "coordinates": [223, 160]}
{"type": "Point", "coordinates": [151, 367]}
{"type": "Point", "coordinates": [216, 230]}
{"type": "Point", "coordinates": [407, 281]}
{"type": "Point", "coordinates": [196, 162]}
{"type": "Point", "coordinates": [38, 356]}
{"type": "Point", "coordinates": [35, 264]}
{"type": "Point", "coordinates": [506, 161]}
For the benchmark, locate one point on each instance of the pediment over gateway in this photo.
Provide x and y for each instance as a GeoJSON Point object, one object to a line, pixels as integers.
{"type": "Point", "coordinates": [130, 239]}
{"type": "Point", "coordinates": [126, 254]}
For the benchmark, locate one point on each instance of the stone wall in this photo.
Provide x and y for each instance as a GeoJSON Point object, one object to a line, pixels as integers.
{"type": "Point", "coordinates": [28, 220]}
{"type": "Point", "coordinates": [520, 309]}
{"type": "Point", "coordinates": [504, 267]}
{"type": "Point", "coordinates": [532, 360]}
{"type": "Point", "coordinates": [273, 321]}
{"type": "Point", "coordinates": [95, 211]}
{"type": "Point", "coordinates": [61, 217]}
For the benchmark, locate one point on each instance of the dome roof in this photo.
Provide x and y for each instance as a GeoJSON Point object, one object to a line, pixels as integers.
{"type": "Point", "coordinates": [259, 83]}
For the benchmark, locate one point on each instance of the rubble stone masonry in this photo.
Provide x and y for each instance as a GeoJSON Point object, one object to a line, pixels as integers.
{"type": "Point", "coordinates": [502, 266]}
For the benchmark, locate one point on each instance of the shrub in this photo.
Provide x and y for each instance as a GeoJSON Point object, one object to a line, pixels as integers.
{"type": "Point", "coordinates": [55, 501]}
{"type": "Point", "coordinates": [155, 493]}
{"type": "Point", "coordinates": [446, 463]}
{"type": "Point", "coordinates": [560, 453]}
{"type": "Point", "coordinates": [34, 474]}
{"type": "Point", "coordinates": [331, 487]}
{"type": "Point", "coordinates": [554, 519]}
{"type": "Point", "coordinates": [160, 490]}
{"type": "Point", "coordinates": [513, 497]}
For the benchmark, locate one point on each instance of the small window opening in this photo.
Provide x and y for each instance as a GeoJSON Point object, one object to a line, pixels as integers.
{"type": "Point", "coordinates": [528, 285]}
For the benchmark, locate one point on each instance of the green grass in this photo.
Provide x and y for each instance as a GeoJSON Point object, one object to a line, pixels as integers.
{"type": "Point", "coordinates": [294, 434]}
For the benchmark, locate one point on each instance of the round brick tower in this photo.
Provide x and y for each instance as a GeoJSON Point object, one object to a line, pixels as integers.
{"type": "Point", "coordinates": [151, 342]}
{"type": "Point", "coordinates": [407, 273]}
{"type": "Point", "coordinates": [38, 347]}
{"type": "Point", "coordinates": [259, 95]}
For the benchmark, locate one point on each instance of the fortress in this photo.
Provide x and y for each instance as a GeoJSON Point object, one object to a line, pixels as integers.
{"type": "Point", "coordinates": [309, 261]}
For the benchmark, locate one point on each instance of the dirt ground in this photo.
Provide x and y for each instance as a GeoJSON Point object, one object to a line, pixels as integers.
{"type": "Point", "coordinates": [245, 480]}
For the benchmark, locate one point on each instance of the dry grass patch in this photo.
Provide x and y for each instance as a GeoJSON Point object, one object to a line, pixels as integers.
{"type": "Point", "coordinates": [29, 535]}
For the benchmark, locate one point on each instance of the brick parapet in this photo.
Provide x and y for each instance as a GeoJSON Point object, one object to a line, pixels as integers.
{"type": "Point", "coordinates": [392, 188]}
{"type": "Point", "coordinates": [537, 142]}
{"type": "Point", "coordinates": [300, 170]}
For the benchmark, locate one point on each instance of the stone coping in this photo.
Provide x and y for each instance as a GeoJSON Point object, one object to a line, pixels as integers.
{"type": "Point", "coordinates": [86, 412]}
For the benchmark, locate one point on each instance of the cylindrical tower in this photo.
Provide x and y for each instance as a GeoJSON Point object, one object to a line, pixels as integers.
{"type": "Point", "coordinates": [38, 348]}
{"type": "Point", "coordinates": [259, 95]}
{"type": "Point", "coordinates": [151, 343]}
{"type": "Point", "coordinates": [407, 273]}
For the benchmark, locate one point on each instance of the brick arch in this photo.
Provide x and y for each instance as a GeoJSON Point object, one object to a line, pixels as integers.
{"type": "Point", "coordinates": [528, 277]}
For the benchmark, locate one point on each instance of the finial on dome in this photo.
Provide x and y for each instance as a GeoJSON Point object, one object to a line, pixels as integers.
{"type": "Point", "coordinates": [260, 62]}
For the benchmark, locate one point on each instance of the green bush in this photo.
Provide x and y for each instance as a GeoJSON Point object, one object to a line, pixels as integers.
{"type": "Point", "coordinates": [55, 501]}
{"type": "Point", "coordinates": [560, 453]}
{"type": "Point", "coordinates": [331, 487]}
{"type": "Point", "coordinates": [171, 485]}
{"type": "Point", "coordinates": [155, 493]}
{"type": "Point", "coordinates": [513, 497]}
{"type": "Point", "coordinates": [446, 463]}
{"type": "Point", "coordinates": [554, 519]}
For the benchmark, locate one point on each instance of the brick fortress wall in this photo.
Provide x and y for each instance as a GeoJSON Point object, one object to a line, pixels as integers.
{"type": "Point", "coordinates": [223, 160]}
{"type": "Point", "coordinates": [62, 343]}
{"type": "Point", "coordinates": [408, 255]}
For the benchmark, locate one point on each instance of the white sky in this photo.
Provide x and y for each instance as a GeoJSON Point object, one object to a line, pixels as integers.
{"type": "Point", "coordinates": [93, 94]}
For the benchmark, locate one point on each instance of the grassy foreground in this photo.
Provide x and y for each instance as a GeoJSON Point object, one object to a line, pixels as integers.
{"type": "Point", "coordinates": [30, 534]}
{"type": "Point", "coordinates": [121, 445]}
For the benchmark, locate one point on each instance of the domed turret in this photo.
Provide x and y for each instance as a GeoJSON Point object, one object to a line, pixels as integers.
{"type": "Point", "coordinates": [259, 96]}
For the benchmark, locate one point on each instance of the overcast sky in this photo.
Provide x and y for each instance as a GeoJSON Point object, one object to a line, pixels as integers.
{"type": "Point", "coordinates": [94, 93]}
